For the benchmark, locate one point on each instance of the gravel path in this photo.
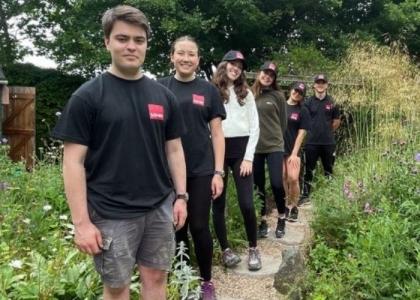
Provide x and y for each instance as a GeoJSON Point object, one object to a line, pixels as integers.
{"type": "Point", "coordinates": [240, 284]}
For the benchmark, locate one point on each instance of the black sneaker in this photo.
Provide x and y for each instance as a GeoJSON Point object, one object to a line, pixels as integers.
{"type": "Point", "coordinates": [303, 201]}
{"type": "Point", "coordinates": [281, 228]}
{"type": "Point", "coordinates": [262, 229]}
{"type": "Point", "coordinates": [293, 216]}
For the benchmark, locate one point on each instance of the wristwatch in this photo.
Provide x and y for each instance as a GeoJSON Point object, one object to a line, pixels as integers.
{"type": "Point", "coordinates": [184, 197]}
{"type": "Point", "coordinates": [221, 173]}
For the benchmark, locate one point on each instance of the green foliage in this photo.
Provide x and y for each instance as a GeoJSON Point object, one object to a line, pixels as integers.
{"type": "Point", "coordinates": [302, 59]}
{"type": "Point", "coordinates": [10, 48]}
{"type": "Point", "coordinates": [183, 281]}
{"type": "Point", "coordinates": [258, 28]}
{"type": "Point", "coordinates": [375, 254]}
{"type": "Point", "coordinates": [38, 259]}
{"type": "Point", "coordinates": [53, 89]}
{"type": "Point", "coordinates": [366, 219]}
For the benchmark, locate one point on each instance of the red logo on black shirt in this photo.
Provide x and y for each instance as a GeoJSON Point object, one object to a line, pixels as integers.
{"type": "Point", "coordinates": [328, 106]}
{"type": "Point", "coordinates": [156, 112]}
{"type": "Point", "coordinates": [294, 116]}
{"type": "Point", "coordinates": [198, 99]}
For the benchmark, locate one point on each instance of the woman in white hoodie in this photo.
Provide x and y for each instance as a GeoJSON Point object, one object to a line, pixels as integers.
{"type": "Point", "coordinates": [241, 130]}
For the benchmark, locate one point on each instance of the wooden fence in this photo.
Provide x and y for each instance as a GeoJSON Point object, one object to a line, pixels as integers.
{"type": "Point", "coordinates": [19, 124]}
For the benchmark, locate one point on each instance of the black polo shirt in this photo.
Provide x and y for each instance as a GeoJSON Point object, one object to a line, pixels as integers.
{"type": "Point", "coordinates": [322, 113]}
{"type": "Point", "coordinates": [297, 118]}
{"type": "Point", "coordinates": [125, 124]}
{"type": "Point", "coordinates": [200, 102]}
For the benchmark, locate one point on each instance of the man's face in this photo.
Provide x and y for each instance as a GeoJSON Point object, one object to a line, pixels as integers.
{"type": "Point", "coordinates": [320, 86]}
{"type": "Point", "coordinates": [127, 44]}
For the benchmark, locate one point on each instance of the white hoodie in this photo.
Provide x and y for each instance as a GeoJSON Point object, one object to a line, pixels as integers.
{"type": "Point", "coordinates": [242, 121]}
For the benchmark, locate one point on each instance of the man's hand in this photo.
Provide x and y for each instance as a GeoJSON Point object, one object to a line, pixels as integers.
{"type": "Point", "coordinates": [88, 238]}
{"type": "Point", "coordinates": [246, 168]}
{"type": "Point", "coordinates": [180, 213]}
{"type": "Point", "coordinates": [216, 186]}
{"type": "Point", "coordinates": [294, 161]}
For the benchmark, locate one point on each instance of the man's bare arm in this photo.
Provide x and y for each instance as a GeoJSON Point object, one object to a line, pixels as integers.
{"type": "Point", "coordinates": [87, 237]}
{"type": "Point", "coordinates": [176, 162]}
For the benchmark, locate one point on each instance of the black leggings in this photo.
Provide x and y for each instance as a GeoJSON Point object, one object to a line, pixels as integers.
{"type": "Point", "coordinates": [199, 190]}
{"type": "Point", "coordinates": [275, 172]}
{"type": "Point", "coordinates": [246, 204]}
{"type": "Point", "coordinates": [312, 153]}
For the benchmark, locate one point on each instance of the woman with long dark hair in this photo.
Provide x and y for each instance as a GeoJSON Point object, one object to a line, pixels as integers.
{"type": "Point", "coordinates": [241, 136]}
{"type": "Point", "coordinates": [204, 148]}
{"type": "Point", "coordinates": [271, 106]}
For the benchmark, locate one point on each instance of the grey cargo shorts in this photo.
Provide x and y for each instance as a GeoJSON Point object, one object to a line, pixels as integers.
{"type": "Point", "coordinates": [147, 241]}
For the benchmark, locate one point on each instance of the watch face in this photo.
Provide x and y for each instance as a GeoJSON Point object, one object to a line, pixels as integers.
{"type": "Point", "coordinates": [182, 196]}
{"type": "Point", "coordinates": [221, 173]}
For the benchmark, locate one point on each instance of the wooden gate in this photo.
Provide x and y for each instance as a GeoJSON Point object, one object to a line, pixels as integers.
{"type": "Point", "coordinates": [19, 124]}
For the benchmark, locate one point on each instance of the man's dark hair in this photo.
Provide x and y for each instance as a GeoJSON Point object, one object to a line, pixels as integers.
{"type": "Point", "coordinates": [127, 14]}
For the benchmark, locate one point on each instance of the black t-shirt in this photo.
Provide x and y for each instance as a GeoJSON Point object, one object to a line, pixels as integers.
{"type": "Point", "coordinates": [297, 118]}
{"type": "Point", "coordinates": [200, 103]}
{"type": "Point", "coordinates": [125, 124]}
{"type": "Point", "coordinates": [322, 112]}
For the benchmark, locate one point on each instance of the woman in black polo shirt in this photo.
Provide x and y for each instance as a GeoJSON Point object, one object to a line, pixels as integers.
{"type": "Point", "coordinates": [204, 148]}
{"type": "Point", "coordinates": [298, 122]}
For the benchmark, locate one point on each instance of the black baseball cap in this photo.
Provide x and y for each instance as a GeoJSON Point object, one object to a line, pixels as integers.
{"type": "Point", "coordinates": [320, 77]}
{"type": "Point", "coordinates": [269, 65]}
{"type": "Point", "coordinates": [235, 55]}
{"type": "Point", "coordinates": [299, 87]}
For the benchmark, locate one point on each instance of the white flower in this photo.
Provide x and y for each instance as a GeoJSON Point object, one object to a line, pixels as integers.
{"type": "Point", "coordinates": [47, 207]}
{"type": "Point", "coordinates": [17, 264]}
{"type": "Point", "coordinates": [70, 226]}
{"type": "Point", "coordinates": [63, 217]}
{"type": "Point", "coordinates": [58, 113]}
{"type": "Point", "coordinates": [26, 221]}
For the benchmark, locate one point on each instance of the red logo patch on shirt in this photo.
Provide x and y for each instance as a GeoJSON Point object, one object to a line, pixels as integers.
{"type": "Point", "coordinates": [156, 112]}
{"type": "Point", "coordinates": [198, 99]}
{"type": "Point", "coordinates": [328, 106]}
{"type": "Point", "coordinates": [294, 116]}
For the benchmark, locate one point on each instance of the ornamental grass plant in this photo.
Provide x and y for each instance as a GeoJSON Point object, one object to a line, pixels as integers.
{"type": "Point", "coordinates": [367, 218]}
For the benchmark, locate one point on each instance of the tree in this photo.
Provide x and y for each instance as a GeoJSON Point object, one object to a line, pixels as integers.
{"type": "Point", "coordinates": [69, 30]}
{"type": "Point", "coordinates": [10, 49]}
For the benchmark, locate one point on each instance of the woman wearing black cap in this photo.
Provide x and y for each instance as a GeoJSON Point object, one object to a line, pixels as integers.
{"type": "Point", "coordinates": [298, 122]}
{"type": "Point", "coordinates": [204, 147]}
{"type": "Point", "coordinates": [271, 106]}
{"type": "Point", "coordinates": [241, 132]}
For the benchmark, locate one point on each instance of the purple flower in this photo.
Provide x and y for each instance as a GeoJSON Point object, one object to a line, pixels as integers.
{"type": "Point", "coordinates": [346, 190]}
{"type": "Point", "coordinates": [417, 157]}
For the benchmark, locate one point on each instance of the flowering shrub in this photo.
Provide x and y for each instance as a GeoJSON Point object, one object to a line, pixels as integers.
{"type": "Point", "coordinates": [38, 258]}
{"type": "Point", "coordinates": [367, 218]}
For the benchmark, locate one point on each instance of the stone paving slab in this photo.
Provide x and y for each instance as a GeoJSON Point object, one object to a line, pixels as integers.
{"type": "Point", "coordinates": [241, 284]}
{"type": "Point", "coordinates": [295, 234]}
{"type": "Point", "coordinates": [270, 266]}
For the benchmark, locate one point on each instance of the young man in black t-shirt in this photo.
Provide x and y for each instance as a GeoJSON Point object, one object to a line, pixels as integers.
{"type": "Point", "coordinates": [122, 146]}
{"type": "Point", "coordinates": [325, 119]}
